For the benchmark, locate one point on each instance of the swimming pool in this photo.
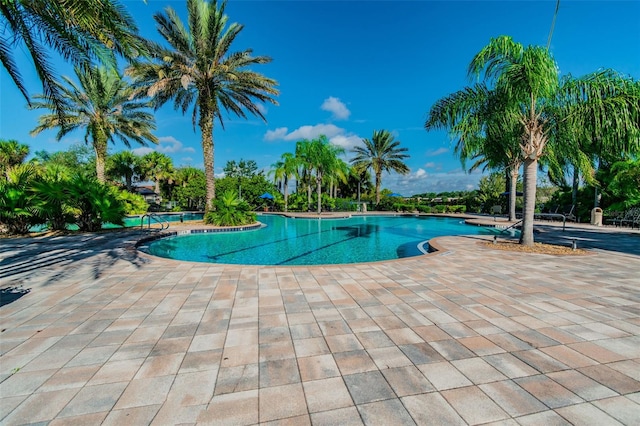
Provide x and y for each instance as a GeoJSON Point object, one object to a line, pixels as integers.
{"type": "Point", "coordinates": [288, 241]}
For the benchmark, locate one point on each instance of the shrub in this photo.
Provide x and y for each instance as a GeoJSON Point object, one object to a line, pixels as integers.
{"type": "Point", "coordinates": [94, 203]}
{"type": "Point", "coordinates": [230, 211]}
{"type": "Point", "coordinates": [440, 208]}
{"type": "Point", "coordinates": [424, 209]}
{"type": "Point", "coordinates": [133, 203]}
{"type": "Point", "coordinates": [20, 208]}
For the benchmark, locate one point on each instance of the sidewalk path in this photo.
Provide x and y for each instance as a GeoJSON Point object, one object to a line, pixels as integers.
{"type": "Point", "coordinates": [94, 332]}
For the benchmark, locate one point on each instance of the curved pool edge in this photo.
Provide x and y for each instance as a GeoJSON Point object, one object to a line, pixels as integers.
{"type": "Point", "coordinates": [434, 247]}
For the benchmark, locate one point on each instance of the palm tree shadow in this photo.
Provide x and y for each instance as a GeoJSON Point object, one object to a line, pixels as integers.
{"type": "Point", "coordinates": [48, 260]}
{"type": "Point", "coordinates": [11, 294]}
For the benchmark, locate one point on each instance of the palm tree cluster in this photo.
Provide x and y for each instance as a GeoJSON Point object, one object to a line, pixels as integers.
{"type": "Point", "coordinates": [197, 69]}
{"type": "Point", "coordinates": [523, 113]}
{"type": "Point", "coordinates": [317, 163]}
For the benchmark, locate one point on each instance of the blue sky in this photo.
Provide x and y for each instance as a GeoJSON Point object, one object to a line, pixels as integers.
{"type": "Point", "coordinates": [347, 68]}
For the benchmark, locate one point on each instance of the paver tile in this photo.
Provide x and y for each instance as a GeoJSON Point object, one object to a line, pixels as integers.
{"type": "Point", "coordinates": [344, 417]}
{"type": "Point", "coordinates": [431, 408]}
{"type": "Point", "coordinates": [421, 353]}
{"type": "Point", "coordinates": [310, 347]}
{"type": "Point", "coordinates": [239, 408]}
{"type": "Point", "coordinates": [272, 406]}
{"type": "Point", "coordinates": [390, 357]}
{"type": "Point", "coordinates": [354, 362]}
{"type": "Point", "coordinates": [132, 416]}
{"type": "Point", "coordinates": [611, 378]}
{"type": "Point", "coordinates": [549, 392]}
{"type": "Point", "coordinates": [41, 407]}
{"type": "Point", "coordinates": [318, 367]}
{"type": "Point", "coordinates": [368, 387]}
{"type": "Point", "coordinates": [621, 408]}
{"type": "Point", "coordinates": [586, 414]}
{"type": "Point", "coordinates": [327, 394]}
{"type": "Point", "coordinates": [547, 418]}
{"type": "Point", "coordinates": [478, 371]}
{"type": "Point", "coordinates": [473, 405]}
{"type": "Point", "coordinates": [94, 399]}
{"type": "Point", "coordinates": [148, 391]}
{"type": "Point", "coordinates": [581, 385]}
{"type": "Point", "coordinates": [444, 376]}
{"type": "Point", "coordinates": [512, 398]}
{"type": "Point", "coordinates": [407, 381]}
{"type": "Point", "coordinates": [389, 412]}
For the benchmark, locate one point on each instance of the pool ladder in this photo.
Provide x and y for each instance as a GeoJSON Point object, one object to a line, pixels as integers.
{"type": "Point", "coordinates": [156, 218]}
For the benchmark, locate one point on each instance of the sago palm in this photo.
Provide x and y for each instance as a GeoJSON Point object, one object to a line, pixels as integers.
{"type": "Point", "coordinates": [101, 105]}
{"type": "Point", "coordinates": [381, 153]}
{"type": "Point", "coordinates": [200, 70]}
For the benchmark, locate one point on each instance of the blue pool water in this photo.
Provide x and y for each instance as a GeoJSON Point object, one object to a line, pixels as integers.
{"type": "Point", "coordinates": [285, 241]}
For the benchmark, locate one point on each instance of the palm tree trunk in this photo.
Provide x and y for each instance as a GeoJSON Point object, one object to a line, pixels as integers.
{"type": "Point", "coordinates": [574, 189]}
{"type": "Point", "coordinates": [100, 147]}
{"type": "Point", "coordinates": [206, 127]}
{"type": "Point", "coordinates": [378, 184]}
{"type": "Point", "coordinates": [530, 180]}
{"type": "Point", "coordinates": [513, 180]}
{"type": "Point", "coordinates": [286, 194]}
{"type": "Point", "coordinates": [319, 189]}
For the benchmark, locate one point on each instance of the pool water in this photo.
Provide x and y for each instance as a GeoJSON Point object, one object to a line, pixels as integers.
{"type": "Point", "coordinates": [287, 241]}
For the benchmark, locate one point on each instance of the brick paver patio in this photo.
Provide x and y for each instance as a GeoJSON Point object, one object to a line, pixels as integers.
{"type": "Point", "coordinates": [102, 334]}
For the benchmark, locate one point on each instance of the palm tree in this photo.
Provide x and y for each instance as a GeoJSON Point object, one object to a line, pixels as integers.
{"type": "Point", "coordinates": [283, 170]}
{"type": "Point", "coordinates": [305, 167]}
{"type": "Point", "coordinates": [102, 105]}
{"type": "Point", "coordinates": [323, 158]}
{"type": "Point", "coordinates": [79, 30]}
{"type": "Point", "coordinates": [12, 153]}
{"type": "Point", "coordinates": [157, 167]}
{"type": "Point", "coordinates": [486, 129]}
{"type": "Point", "coordinates": [124, 164]}
{"type": "Point", "coordinates": [602, 107]}
{"type": "Point", "coordinates": [381, 153]}
{"type": "Point", "coordinates": [200, 70]}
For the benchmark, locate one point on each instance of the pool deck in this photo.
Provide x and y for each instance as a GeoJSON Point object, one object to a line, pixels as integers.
{"type": "Point", "coordinates": [94, 331]}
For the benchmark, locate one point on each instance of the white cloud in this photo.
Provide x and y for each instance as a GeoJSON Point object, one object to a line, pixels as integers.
{"type": "Point", "coordinates": [346, 141]}
{"type": "Point", "coordinates": [273, 135]}
{"type": "Point", "coordinates": [430, 165]}
{"type": "Point", "coordinates": [303, 132]}
{"type": "Point", "coordinates": [166, 145]}
{"type": "Point", "coordinates": [263, 109]}
{"type": "Point", "coordinates": [143, 150]}
{"type": "Point", "coordinates": [421, 181]}
{"type": "Point", "coordinates": [336, 107]}
{"type": "Point", "coordinates": [311, 132]}
{"type": "Point", "coordinates": [436, 152]}
{"type": "Point", "coordinates": [170, 145]}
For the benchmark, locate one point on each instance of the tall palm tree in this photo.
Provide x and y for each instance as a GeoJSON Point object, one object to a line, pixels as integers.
{"type": "Point", "coordinates": [283, 170]}
{"type": "Point", "coordinates": [381, 153]}
{"type": "Point", "coordinates": [323, 158]}
{"type": "Point", "coordinates": [12, 153]}
{"type": "Point", "coordinates": [305, 167]}
{"type": "Point", "coordinates": [200, 70]}
{"type": "Point", "coordinates": [79, 30]}
{"type": "Point", "coordinates": [101, 104]}
{"type": "Point", "coordinates": [124, 164]}
{"type": "Point", "coordinates": [603, 107]}
{"type": "Point", "coordinates": [157, 167]}
{"type": "Point", "coordinates": [486, 129]}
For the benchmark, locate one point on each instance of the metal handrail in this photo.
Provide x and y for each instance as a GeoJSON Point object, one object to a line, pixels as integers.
{"type": "Point", "coordinates": [157, 218]}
